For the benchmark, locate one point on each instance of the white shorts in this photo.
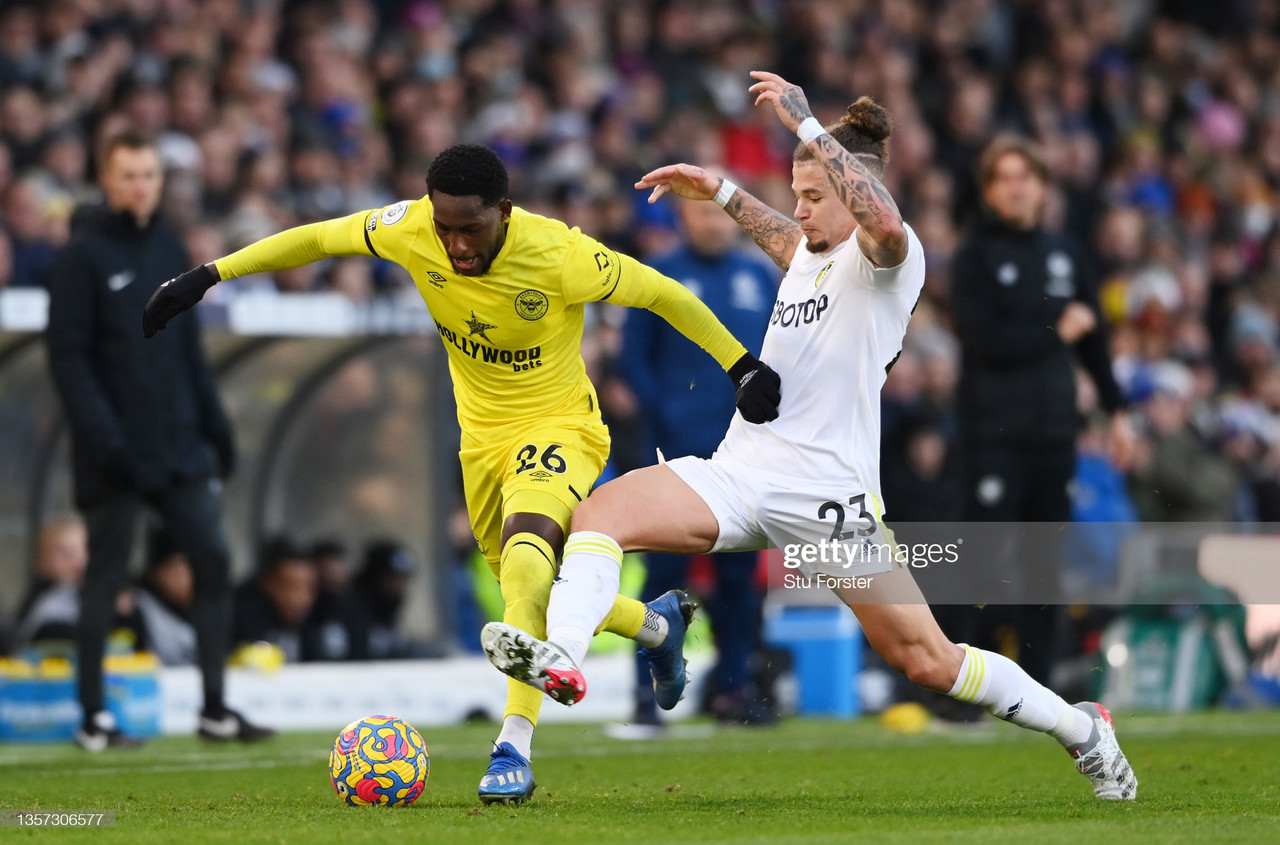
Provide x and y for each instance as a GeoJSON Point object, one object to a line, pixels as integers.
{"type": "Point", "coordinates": [820, 527]}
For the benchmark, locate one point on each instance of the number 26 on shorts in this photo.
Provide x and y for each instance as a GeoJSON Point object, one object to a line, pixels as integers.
{"type": "Point", "coordinates": [550, 459]}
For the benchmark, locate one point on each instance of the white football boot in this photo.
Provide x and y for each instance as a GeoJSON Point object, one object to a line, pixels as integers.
{"type": "Point", "coordinates": [529, 660]}
{"type": "Point", "coordinates": [1100, 759]}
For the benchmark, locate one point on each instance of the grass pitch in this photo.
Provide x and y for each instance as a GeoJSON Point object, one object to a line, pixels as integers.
{"type": "Point", "coordinates": [1203, 778]}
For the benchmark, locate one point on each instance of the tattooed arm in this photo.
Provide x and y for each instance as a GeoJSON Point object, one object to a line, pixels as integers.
{"type": "Point", "coordinates": [881, 234]}
{"type": "Point", "coordinates": [775, 233]}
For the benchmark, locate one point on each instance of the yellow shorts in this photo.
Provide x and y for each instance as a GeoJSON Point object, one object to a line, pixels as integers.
{"type": "Point", "coordinates": [543, 468]}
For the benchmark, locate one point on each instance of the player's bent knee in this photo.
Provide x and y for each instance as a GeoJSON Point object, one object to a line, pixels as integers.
{"type": "Point", "coordinates": [527, 569]}
{"type": "Point", "coordinates": [535, 512]}
{"type": "Point", "coordinates": [526, 585]}
{"type": "Point", "coordinates": [598, 512]}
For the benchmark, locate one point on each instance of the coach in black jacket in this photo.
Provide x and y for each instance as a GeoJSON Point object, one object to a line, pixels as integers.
{"type": "Point", "coordinates": [147, 425]}
{"type": "Point", "coordinates": [1025, 305]}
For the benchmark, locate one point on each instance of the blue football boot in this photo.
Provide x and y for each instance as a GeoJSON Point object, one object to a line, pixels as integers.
{"type": "Point", "coordinates": [666, 661]}
{"type": "Point", "coordinates": [509, 779]}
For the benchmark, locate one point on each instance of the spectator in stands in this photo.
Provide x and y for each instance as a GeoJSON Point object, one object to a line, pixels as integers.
{"type": "Point", "coordinates": [1102, 511]}
{"type": "Point", "coordinates": [334, 612]}
{"type": "Point", "coordinates": [378, 595]}
{"type": "Point", "coordinates": [65, 159]}
{"type": "Point", "coordinates": [163, 597]}
{"type": "Point", "coordinates": [1176, 478]}
{"type": "Point", "coordinates": [20, 58]}
{"type": "Point", "coordinates": [28, 216]}
{"type": "Point", "coordinates": [51, 609]}
{"type": "Point", "coordinates": [276, 605]}
{"type": "Point", "coordinates": [1256, 422]}
{"type": "Point", "coordinates": [475, 597]}
{"type": "Point", "coordinates": [24, 125]}
{"type": "Point", "coordinates": [921, 486]}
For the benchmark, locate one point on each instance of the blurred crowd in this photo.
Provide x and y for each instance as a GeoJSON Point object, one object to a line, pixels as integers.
{"type": "Point", "coordinates": [300, 604]}
{"type": "Point", "coordinates": [1160, 120]}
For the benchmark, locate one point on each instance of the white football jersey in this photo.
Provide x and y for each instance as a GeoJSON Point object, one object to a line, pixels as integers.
{"type": "Point", "coordinates": [837, 324]}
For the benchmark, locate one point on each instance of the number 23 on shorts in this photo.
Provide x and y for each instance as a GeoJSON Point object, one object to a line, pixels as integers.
{"type": "Point", "coordinates": [835, 510]}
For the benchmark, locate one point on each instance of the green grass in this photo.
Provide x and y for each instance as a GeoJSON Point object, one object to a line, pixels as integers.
{"type": "Point", "coordinates": [1204, 778]}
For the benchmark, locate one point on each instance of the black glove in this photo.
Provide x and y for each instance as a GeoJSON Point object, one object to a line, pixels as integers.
{"type": "Point", "coordinates": [174, 297]}
{"type": "Point", "coordinates": [758, 389]}
{"type": "Point", "coordinates": [224, 444]}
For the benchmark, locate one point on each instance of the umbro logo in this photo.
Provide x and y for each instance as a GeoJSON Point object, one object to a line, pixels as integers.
{"type": "Point", "coordinates": [117, 282]}
{"type": "Point", "coordinates": [540, 475]}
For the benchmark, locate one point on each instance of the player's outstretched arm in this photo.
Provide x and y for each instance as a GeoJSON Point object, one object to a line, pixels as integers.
{"type": "Point", "coordinates": [775, 233]}
{"type": "Point", "coordinates": [880, 230]}
{"type": "Point", "coordinates": [595, 273]}
{"type": "Point", "coordinates": [290, 248]}
{"type": "Point", "coordinates": [756, 384]}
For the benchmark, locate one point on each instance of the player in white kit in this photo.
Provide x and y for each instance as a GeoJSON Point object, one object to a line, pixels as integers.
{"type": "Point", "coordinates": [810, 477]}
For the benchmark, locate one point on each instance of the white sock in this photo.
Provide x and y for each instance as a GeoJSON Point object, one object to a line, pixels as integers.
{"type": "Point", "coordinates": [518, 731]}
{"type": "Point", "coordinates": [1000, 685]}
{"type": "Point", "coordinates": [572, 639]}
{"type": "Point", "coordinates": [583, 594]}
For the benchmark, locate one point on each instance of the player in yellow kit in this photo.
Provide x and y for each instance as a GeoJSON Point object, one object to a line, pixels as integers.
{"type": "Point", "coordinates": [506, 289]}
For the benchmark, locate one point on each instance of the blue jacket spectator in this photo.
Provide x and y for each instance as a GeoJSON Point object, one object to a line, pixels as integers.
{"type": "Point", "coordinates": [684, 397]}
{"type": "Point", "coordinates": [1102, 515]}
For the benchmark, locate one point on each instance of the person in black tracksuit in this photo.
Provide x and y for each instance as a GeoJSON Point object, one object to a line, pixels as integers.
{"type": "Point", "coordinates": [147, 426]}
{"type": "Point", "coordinates": [1025, 305]}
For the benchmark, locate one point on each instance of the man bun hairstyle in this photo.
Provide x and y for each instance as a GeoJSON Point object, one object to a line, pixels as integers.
{"type": "Point", "coordinates": [469, 170]}
{"type": "Point", "coordinates": [864, 131]}
{"type": "Point", "coordinates": [869, 118]}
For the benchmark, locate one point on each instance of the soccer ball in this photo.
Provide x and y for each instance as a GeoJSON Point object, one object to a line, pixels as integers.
{"type": "Point", "coordinates": [379, 760]}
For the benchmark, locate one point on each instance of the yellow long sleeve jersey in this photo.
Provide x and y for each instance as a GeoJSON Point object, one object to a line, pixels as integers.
{"type": "Point", "coordinates": [513, 335]}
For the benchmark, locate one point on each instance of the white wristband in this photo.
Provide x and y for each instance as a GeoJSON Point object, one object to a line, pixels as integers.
{"type": "Point", "coordinates": [809, 129]}
{"type": "Point", "coordinates": [725, 193]}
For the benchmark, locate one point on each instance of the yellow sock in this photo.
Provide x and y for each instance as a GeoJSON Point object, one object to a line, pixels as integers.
{"type": "Point", "coordinates": [624, 619]}
{"type": "Point", "coordinates": [523, 700]}
{"type": "Point", "coordinates": [528, 568]}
